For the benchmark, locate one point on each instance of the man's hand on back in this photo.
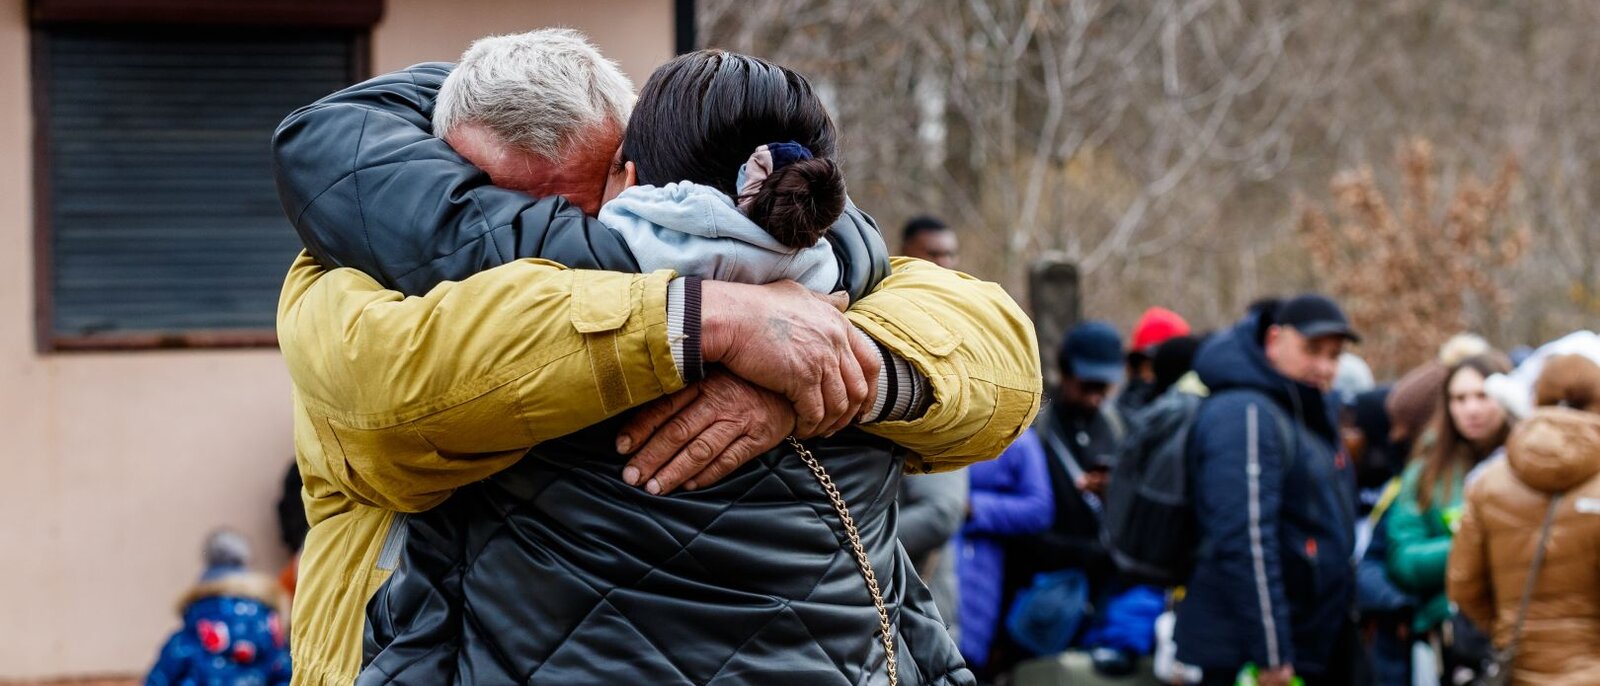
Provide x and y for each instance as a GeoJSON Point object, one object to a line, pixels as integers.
{"type": "Point", "coordinates": [787, 353]}
{"type": "Point", "coordinates": [706, 431]}
{"type": "Point", "coordinates": [787, 339]}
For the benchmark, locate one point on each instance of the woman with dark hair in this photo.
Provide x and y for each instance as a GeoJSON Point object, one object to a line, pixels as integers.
{"type": "Point", "coordinates": [674, 201]}
{"type": "Point", "coordinates": [557, 570]}
{"type": "Point", "coordinates": [1468, 429]}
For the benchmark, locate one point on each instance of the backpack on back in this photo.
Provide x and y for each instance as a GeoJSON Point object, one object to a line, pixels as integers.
{"type": "Point", "coordinates": [1149, 522]}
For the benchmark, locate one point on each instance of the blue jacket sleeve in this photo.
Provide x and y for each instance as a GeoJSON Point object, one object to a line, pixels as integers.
{"type": "Point", "coordinates": [1375, 591]}
{"type": "Point", "coordinates": [170, 667]}
{"type": "Point", "coordinates": [1026, 506]}
{"type": "Point", "coordinates": [282, 672]}
{"type": "Point", "coordinates": [367, 185]}
{"type": "Point", "coordinates": [1238, 497]}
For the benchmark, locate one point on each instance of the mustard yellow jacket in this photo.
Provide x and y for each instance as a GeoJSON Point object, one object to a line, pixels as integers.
{"type": "Point", "coordinates": [399, 401]}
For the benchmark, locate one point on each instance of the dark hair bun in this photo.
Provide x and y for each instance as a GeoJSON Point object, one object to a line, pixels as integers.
{"type": "Point", "coordinates": [799, 202]}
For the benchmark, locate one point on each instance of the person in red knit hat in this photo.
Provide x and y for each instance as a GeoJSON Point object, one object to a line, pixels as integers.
{"type": "Point", "coordinates": [1156, 326]}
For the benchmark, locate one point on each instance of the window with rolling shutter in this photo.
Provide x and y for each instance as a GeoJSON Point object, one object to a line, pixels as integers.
{"type": "Point", "coordinates": [158, 218]}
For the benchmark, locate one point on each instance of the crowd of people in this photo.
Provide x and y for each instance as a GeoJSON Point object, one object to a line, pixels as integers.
{"type": "Point", "coordinates": [1300, 522]}
{"type": "Point", "coordinates": [661, 460]}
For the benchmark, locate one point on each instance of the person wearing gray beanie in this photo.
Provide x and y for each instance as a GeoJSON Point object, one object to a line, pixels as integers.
{"type": "Point", "coordinates": [226, 552]}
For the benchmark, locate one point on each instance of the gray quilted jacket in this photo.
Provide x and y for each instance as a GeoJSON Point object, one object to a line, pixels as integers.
{"type": "Point", "coordinates": [554, 571]}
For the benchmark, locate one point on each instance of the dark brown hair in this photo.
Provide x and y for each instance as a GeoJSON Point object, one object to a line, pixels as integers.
{"type": "Point", "coordinates": [701, 115]}
{"type": "Point", "coordinates": [1450, 450]}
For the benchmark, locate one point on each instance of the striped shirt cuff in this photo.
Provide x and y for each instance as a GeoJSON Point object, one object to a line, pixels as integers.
{"type": "Point", "coordinates": [903, 393]}
{"type": "Point", "coordinates": [683, 327]}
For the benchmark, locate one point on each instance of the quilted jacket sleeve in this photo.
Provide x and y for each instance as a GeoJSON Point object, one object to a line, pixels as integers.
{"type": "Point", "coordinates": [367, 185]}
{"type": "Point", "coordinates": [408, 399]}
{"type": "Point", "coordinates": [1468, 580]}
{"type": "Point", "coordinates": [978, 351]}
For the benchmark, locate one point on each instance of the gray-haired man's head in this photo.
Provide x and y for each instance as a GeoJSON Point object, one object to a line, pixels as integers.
{"type": "Point", "coordinates": [542, 112]}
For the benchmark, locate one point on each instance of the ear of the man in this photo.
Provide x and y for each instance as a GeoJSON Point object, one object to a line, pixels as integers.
{"type": "Point", "coordinates": [631, 174]}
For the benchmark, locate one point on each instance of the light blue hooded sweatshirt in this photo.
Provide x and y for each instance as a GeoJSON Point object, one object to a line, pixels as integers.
{"type": "Point", "coordinates": [697, 230]}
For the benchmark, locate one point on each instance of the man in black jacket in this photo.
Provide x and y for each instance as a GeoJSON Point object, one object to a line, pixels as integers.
{"type": "Point", "coordinates": [1081, 432]}
{"type": "Point", "coordinates": [1274, 501]}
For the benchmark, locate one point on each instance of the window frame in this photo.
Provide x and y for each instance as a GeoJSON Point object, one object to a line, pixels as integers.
{"type": "Point", "coordinates": [46, 338]}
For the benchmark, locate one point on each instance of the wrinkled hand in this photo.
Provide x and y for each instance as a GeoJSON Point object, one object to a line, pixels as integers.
{"type": "Point", "coordinates": [702, 433]}
{"type": "Point", "coordinates": [787, 339]}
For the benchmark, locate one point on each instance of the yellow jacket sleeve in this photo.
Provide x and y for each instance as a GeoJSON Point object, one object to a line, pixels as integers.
{"type": "Point", "coordinates": [976, 347]}
{"type": "Point", "coordinates": [407, 399]}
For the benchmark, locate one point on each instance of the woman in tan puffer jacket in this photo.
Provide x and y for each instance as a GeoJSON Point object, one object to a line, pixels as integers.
{"type": "Point", "coordinates": [1555, 451]}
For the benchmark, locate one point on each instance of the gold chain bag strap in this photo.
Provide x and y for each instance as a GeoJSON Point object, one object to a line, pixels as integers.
{"type": "Point", "coordinates": [885, 631]}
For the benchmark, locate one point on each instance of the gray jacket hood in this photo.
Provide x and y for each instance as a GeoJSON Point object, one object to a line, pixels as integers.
{"type": "Point", "coordinates": [698, 231]}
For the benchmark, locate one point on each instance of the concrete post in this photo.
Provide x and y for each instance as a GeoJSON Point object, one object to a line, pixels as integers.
{"type": "Point", "coordinates": [1056, 303]}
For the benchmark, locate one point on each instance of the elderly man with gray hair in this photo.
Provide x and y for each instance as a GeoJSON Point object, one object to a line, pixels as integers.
{"type": "Point", "coordinates": [443, 355]}
{"type": "Point", "coordinates": [515, 105]}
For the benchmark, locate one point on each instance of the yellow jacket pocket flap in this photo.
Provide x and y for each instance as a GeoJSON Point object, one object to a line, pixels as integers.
{"type": "Point", "coordinates": [600, 301]}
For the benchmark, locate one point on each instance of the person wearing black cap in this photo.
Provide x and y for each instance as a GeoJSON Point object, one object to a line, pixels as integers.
{"type": "Point", "coordinates": [1274, 500]}
{"type": "Point", "coordinates": [1081, 432]}
{"type": "Point", "coordinates": [1091, 369]}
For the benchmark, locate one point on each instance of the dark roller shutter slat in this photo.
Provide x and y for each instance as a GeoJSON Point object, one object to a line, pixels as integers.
{"type": "Point", "coordinates": [163, 214]}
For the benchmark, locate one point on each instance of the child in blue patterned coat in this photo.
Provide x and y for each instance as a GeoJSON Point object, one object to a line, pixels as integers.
{"type": "Point", "coordinates": [233, 630]}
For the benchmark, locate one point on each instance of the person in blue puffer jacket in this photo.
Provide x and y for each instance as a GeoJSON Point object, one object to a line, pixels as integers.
{"type": "Point", "coordinates": [1010, 498]}
{"type": "Point", "coordinates": [233, 632]}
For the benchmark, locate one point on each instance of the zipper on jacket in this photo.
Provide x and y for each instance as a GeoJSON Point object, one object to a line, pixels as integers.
{"type": "Point", "coordinates": [394, 543]}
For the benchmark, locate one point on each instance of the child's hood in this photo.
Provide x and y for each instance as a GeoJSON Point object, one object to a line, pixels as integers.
{"type": "Point", "coordinates": [248, 585]}
{"type": "Point", "coordinates": [690, 208]}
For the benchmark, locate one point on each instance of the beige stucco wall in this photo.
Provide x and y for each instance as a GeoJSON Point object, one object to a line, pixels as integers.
{"type": "Point", "coordinates": [636, 33]}
{"type": "Point", "coordinates": [115, 465]}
